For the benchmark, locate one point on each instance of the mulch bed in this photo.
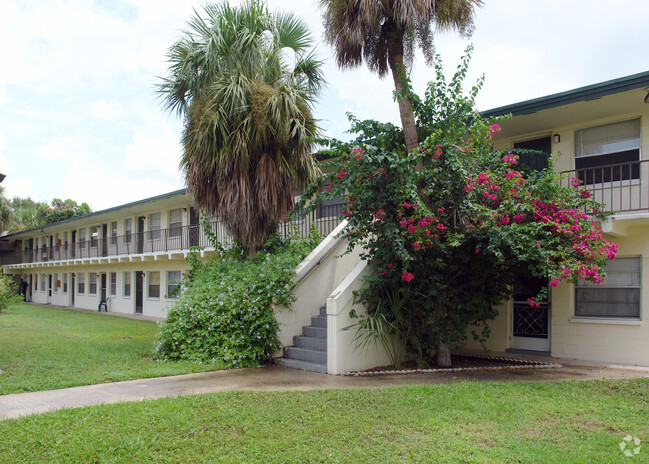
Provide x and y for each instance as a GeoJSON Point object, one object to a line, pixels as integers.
{"type": "Point", "coordinates": [460, 363]}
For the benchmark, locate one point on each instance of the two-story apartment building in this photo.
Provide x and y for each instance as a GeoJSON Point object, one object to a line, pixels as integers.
{"type": "Point", "coordinates": [600, 135]}
{"type": "Point", "coordinates": [130, 257]}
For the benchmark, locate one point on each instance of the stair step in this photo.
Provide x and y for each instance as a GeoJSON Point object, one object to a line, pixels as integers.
{"type": "Point", "coordinates": [315, 332]}
{"type": "Point", "coordinates": [305, 354]}
{"type": "Point", "coordinates": [300, 364]}
{"type": "Point", "coordinates": [323, 310]}
{"type": "Point", "coordinates": [319, 321]}
{"type": "Point", "coordinates": [310, 343]}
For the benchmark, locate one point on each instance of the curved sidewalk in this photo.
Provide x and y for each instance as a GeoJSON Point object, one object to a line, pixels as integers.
{"type": "Point", "coordinates": [278, 378]}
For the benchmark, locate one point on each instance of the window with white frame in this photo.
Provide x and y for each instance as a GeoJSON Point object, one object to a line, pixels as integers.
{"type": "Point", "coordinates": [608, 153]}
{"type": "Point", "coordinates": [173, 282]}
{"type": "Point", "coordinates": [175, 222]}
{"type": "Point", "coordinates": [81, 283]}
{"type": "Point", "coordinates": [94, 236]}
{"type": "Point", "coordinates": [92, 283]}
{"type": "Point", "coordinates": [57, 283]}
{"type": "Point", "coordinates": [113, 283]}
{"type": "Point", "coordinates": [36, 283]}
{"type": "Point", "coordinates": [127, 283]}
{"type": "Point", "coordinates": [65, 283]}
{"type": "Point", "coordinates": [154, 284]}
{"type": "Point", "coordinates": [127, 230]}
{"type": "Point", "coordinates": [82, 237]}
{"type": "Point", "coordinates": [154, 226]}
{"type": "Point", "coordinates": [618, 296]}
{"type": "Point", "coordinates": [113, 233]}
{"type": "Point", "coordinates": [43, 282]}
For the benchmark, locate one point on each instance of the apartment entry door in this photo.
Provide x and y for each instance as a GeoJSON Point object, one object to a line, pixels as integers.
{"type": "Point", "coordinates": [530, 324]}
{"type": "Point", "coordinates": [49, 289]}
{"type": "Point", "coordinates": [72, 288]}
{"type": "Point", "coordinates": [139, 291]}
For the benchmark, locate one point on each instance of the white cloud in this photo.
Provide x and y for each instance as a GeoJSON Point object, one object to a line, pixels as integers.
{"type": "Point", "coordinates": [160, 152]}
{"type": "Point", "coordinates": [104, 110]}
{"type": "Point", "coordinates": [101, 191]}
{"type": "Point", "coordinates": [54, 151]}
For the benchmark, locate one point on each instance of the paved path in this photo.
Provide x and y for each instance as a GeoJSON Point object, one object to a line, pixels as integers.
{"type": "Point", "coordinates": [278, 378]}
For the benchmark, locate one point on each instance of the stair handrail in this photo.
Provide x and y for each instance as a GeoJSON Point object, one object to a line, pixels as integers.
{"type": "Point", "coordinates": [337, 233]}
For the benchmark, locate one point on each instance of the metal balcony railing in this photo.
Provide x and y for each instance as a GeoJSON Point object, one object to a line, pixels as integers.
{"type": "Point", "coordinates": [325, 220]}
{"type": "Point", "coordinates": [622, 187]}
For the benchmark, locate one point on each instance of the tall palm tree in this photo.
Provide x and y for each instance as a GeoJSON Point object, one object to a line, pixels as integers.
{"type": "Point", "coordinates": [244, 80]}
{"type": "Point", "coordinates": [385, 33]}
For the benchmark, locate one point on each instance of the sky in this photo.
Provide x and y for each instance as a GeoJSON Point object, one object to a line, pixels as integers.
{"type": "Point", "coordinates": [80, 118]}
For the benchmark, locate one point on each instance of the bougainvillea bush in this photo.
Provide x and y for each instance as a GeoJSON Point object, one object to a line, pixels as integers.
{"type": "Point", "coordinates": [449, 226]}
{"type": "Point", "coordinates": [225, 313]}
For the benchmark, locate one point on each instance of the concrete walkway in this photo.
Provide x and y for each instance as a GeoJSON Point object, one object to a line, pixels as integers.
{"type": "Point", "coordinates": [278, 378]}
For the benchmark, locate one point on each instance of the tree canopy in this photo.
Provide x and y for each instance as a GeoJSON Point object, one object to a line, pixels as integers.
{"type": "Point", "coordinates": [244, 79]}
{"type": "Point", "coordinates": [385, 34]}
{"type": "Point", "coordinates": [449, 227]}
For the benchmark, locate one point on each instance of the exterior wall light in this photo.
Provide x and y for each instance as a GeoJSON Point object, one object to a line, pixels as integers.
{"type": "Point", "coordinates": [556, 138]}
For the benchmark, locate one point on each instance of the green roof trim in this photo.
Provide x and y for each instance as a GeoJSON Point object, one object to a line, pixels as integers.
{"type": "Point", "coordinates": [588, 92]}
{"type": "Point", "coordinates": [164, 196]}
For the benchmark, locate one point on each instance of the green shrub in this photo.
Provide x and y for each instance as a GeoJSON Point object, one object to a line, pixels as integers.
{"type": "Point", "coordinates": [9, 294]}
{"type": "Point", "coordinates": [225, 314]}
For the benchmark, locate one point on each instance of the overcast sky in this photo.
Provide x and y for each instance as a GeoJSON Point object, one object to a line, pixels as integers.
{"type": "Point", "coordinates": [79, 117]}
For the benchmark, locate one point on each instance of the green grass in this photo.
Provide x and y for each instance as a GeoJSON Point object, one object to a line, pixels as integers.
{"type": "Point", "coordinates": [43, 348]}
{"type": "Point", "coordinates": [467, 422]}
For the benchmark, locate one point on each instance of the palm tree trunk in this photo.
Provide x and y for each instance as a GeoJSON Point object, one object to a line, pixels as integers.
{"type": "Point", "coordinates": [395, 60]}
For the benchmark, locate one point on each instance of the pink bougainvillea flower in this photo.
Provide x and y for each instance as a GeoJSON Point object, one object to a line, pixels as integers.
{"type": "Point", "coordinates": [407, 276]}
{"type": "Point", "coordinates": [494, 129]}
{"type": "Point", "coordinates": [511, 159]}
{"type": "Point", "coordinates": [519, 218]}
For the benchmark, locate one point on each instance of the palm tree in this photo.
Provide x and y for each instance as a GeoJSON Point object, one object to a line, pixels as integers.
{"type": "Point", "coordinates": [385, 33]}
{"type": "Point", "coordinates": [244, 80]}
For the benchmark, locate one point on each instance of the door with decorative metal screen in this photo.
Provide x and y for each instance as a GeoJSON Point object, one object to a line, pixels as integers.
{"type": "Point", "coordinates": [530, 323]}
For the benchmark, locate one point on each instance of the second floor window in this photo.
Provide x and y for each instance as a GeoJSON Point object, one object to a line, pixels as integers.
{"type": "Point", "coordinates": [154, 226]}
{"type": "Point", "coordinates": [94, 236]}
{"type": "Point", "coordinates": [127, 230]}
{"type": "Point", "coordinates": [608, 153]}
{"type": "Point", "coordinates": [175, 222]}
{"type": "Point", "coordinates": [113, 233]}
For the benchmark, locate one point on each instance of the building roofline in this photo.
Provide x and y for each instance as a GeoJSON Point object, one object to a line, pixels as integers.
{"type": "Point", "coordinates": [164, 196]}
{"type": "Point", "coordinates": [588, 92]}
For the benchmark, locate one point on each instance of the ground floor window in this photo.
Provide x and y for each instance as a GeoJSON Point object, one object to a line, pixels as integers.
{"type": "Point", "coordinates": [113, 283]}
{"type": "Point", "coordinates": [617, 296]}
{"type": "Point", "coordinates": [127, 283]}
{"type": "Point", "coordinates": [92, 283]}
{"type": "Point", "coordinates": [35, 282]}
{"type": "Point", "coordinates": [57, 283]}
{"type": "Point", "coordinates": [43, 282]}
{"type": "Point", "coordinates": [154, 284]}
{"type": "Point", "coordinates": [81, 283]}
{"type": "Point", "coordinates": [65, 283]}
{"type": "Point", "coordinates": [173, 281]}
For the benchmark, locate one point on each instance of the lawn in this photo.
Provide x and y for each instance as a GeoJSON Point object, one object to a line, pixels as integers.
{"type": "Point", "coordinates": [466, 422]}
{"type": "Point", "coordinates": [43, 348]}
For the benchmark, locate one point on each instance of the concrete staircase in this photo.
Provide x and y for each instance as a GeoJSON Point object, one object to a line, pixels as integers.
{"type": "Point", "coordinates": [309, 350]}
